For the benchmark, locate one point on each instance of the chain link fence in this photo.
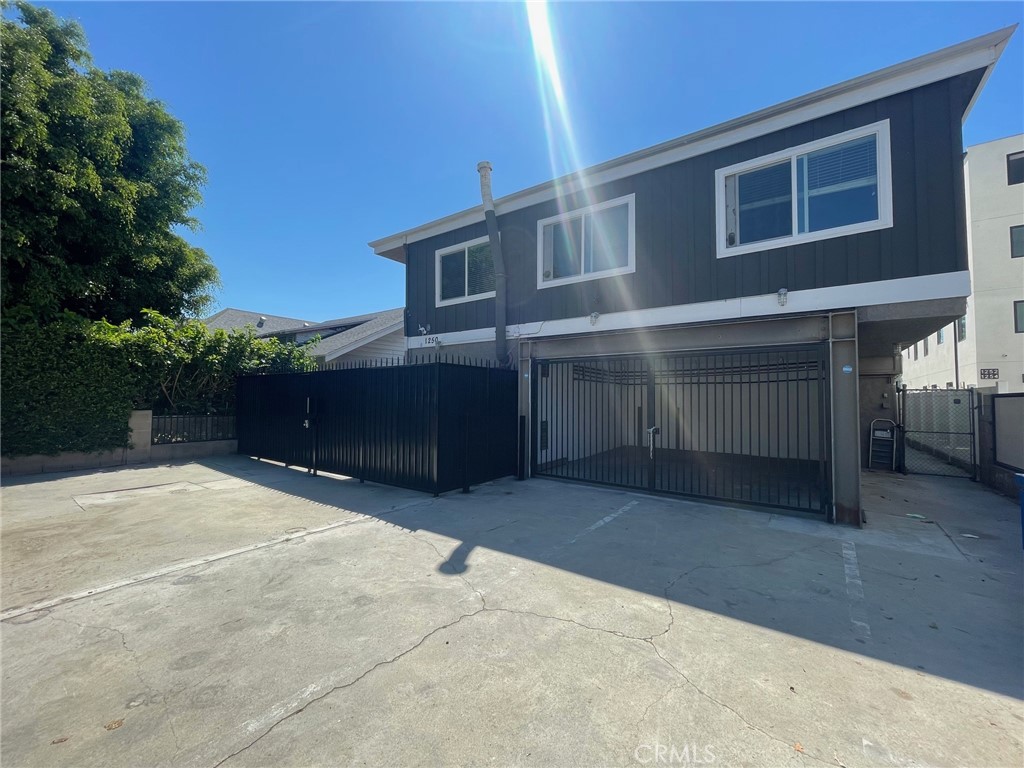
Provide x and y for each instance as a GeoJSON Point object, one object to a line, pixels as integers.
{"type": "Point", "coordinates": [938, 432]}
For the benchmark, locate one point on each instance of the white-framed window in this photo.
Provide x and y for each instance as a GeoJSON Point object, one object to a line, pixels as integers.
{"type": "Point", "coordinates": [828, 188]}
{"type": "Point", "coordinates": [464, 272]}
{"type": "Point", "coordinates": [587, 244]}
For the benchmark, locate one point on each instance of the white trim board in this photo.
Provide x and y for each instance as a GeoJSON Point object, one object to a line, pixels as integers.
{"type": "Point", "coordinates": [978, 53]}
{"type": "Point", "coordinates": [581, 213]}
{"type": "Point", "coordinates": [467, 296]}
{"type": "Point", "coordinates": [883, 185]}
{"type": "Point", "coordinates": [921, 288]}
{"type": "Point", "coordinates": [379, 334]}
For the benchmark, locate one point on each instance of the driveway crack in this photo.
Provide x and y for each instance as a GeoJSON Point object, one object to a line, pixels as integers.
{"type": "Point", "coordinates": [349, 684]}
{"type": "Point", "coordinates": [722, 704]}
{"type": "Point", "coordinates": [151, 692]}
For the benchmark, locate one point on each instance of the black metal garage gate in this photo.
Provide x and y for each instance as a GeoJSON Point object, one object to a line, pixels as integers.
{"type": "Point", "coordinates": [747, 426]}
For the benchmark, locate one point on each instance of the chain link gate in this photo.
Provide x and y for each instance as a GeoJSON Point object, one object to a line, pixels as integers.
{"type": "Point", "coordinates": [938, 432]}
{"type": "Point", "coordinates": [748, 426]}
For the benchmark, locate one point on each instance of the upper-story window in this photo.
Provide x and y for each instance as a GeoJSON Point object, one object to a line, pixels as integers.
{"type": "Point", "coordinates": [464, 272]}
{"type": "Point", "coordinates": [586, 244]}
{"type": "Point", "coordinates": [940, 336]}
{"type": "Point", "coordinates": [1018, 317]}
{"type": "Point", "coordinates": [826, 188]}
{"type": "Point", "coordinates": [1015, 168]}
{"type": "Point", "coordinates": [1017, 241]}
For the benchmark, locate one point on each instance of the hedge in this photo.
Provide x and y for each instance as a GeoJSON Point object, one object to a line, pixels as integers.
{"type": "Point", "coordinates": [71, 385]}
{"type": "Point", "coordinates": [62, 389]}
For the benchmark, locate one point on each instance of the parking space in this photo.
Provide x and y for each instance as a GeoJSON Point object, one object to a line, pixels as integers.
{"type": "Point", "coordinates": [244, 613]}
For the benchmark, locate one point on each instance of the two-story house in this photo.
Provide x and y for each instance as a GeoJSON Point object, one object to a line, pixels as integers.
{"type": "Point", "coordinates": [695, 317]}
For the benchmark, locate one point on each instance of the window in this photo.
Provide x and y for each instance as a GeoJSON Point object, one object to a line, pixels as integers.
{"type": "Point", "coordinates": [587, 244]}
{"type": "Point", "coordinates": [925, 345]}
{"type": "Point", "coordinates": [1018, 317]}
{"type": "Point", "coordinates": [940, 336]}
{"type": "Point", "coordinates": [961, 329]}
{"type": "Point", "coordinates": [1017, 241]}
{"type": "Point", "coordinates": [827, 188]}
{"type": "Point", "coordinates": [464, 272]}
{"type": "Point", "coordinates": [1015, 168]}
{"type": "Point", "coordinates": [915, 350]}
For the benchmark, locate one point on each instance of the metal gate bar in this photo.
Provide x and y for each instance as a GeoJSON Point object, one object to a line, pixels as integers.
{"type": "Point", "coordinates": [745, 426]}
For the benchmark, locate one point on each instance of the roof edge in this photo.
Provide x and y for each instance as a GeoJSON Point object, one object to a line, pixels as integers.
{"type": "Point", "coordinates": [396, 326]}
{"type": "Point", "coordinates": [979, 52]}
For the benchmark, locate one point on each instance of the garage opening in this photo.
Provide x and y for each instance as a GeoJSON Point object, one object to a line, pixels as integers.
{"type": "Point", "coordinates": [747, 426]}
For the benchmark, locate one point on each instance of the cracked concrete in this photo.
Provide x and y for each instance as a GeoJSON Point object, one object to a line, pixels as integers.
{"type": "Point", "coordinates": [525, 624]}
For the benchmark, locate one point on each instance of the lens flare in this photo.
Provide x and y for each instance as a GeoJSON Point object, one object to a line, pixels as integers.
{"type": "Point", "coordinates": [571, 185]}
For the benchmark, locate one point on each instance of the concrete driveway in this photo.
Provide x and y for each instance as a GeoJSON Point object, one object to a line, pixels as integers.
{"type": "Point", "coordinates": [240, 613]}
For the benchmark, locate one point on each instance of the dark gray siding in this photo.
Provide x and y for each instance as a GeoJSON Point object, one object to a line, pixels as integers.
{"type": "Point", "coordinates": [675, 226]}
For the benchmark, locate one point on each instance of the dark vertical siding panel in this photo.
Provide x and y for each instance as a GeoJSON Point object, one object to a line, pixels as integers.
{"type": "Point", "coordinates": [957, 102]}
{"type": "Point", "coordinates": [899, 110]}
{"type": "Point", "coordinates": [921, 144]}
{"type": "Point", "coordinates": [675, 216]}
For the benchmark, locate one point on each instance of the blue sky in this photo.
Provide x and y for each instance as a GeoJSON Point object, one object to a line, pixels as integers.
{"type": "Point", "coordinates": [326, 125]}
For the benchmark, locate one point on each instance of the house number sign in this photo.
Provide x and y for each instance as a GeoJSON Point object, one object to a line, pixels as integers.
{"type": "Point", "coordinates": [990, 373]}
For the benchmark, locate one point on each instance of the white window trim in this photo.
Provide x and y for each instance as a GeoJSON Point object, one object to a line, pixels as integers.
{"type": "Point", "coordinates": [438, 301]}
{"type": "Point", "coordinates": [884, 220]}
{"type": "Point", "coordinates": [630, 201]}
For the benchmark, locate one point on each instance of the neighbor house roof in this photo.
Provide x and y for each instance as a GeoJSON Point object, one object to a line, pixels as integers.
{"type": "Point", "coordinates": [978, 53]}
{"type": "Point", "coordinates": [366, 328]}
{"type": "Point", "coordinates": [230, 319]}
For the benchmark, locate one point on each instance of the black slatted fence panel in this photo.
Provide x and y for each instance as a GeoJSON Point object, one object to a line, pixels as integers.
{"type": "Point", "coordinates": [431, 427]}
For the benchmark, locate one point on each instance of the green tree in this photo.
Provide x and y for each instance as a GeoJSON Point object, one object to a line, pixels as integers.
{"type": "Point", "coordinates": [96, 184]}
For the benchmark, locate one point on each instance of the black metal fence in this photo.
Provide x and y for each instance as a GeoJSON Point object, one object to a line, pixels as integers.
{"type": "Point", "coordinates": [192, 429]}
{"type": "Point", "coordinates": [748, 426]}
{"type": "Point", "coordinates": [432, 427]}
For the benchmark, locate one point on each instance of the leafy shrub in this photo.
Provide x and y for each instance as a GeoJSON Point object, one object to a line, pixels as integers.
{"type": "Point", "coordinates": [70, 385]}
{"type": "Point", "coordinates": [63, 388]}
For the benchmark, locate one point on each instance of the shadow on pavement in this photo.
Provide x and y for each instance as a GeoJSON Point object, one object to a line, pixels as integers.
{"type": "Point", "coordinates": [933, 603]}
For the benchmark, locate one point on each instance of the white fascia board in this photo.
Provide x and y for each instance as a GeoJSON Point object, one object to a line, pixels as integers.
{"type": "Point", "coordinates": [980, 52]}
{"type": "Point", "coordinates": [400, 325]}
{"type": "Point", "coordinates": [946, 285]}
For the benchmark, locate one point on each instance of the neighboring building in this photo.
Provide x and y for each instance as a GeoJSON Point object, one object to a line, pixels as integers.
{"type": "Point", "coordinates": [984, 348]}
{"type": "Point", "coordinates": [230, 319]}
{"type": "Point", "coordinates": [721, 315]}
{"type": "Point", "coordinates": [377, 336]}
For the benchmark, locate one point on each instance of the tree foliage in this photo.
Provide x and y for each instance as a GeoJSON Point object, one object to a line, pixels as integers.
{"type": "Point", "coordinates": [71, 384]}
{"type": "Point", "coordinates": [184, 367]}
{"type": "Point", "coordinates": [96, 182]}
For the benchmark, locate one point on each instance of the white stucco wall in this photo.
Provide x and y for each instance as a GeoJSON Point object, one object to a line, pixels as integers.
{"type": "Point", "coordinates": [997, 280]}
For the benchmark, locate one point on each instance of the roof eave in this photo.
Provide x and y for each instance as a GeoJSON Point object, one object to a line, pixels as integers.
{"type": "Point", "coordinates": [384, 331]}
{"type": "Point", "coordinates": [977, 53]}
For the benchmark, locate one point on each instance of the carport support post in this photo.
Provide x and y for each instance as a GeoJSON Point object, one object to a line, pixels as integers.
{"type": "Point", "coordinates": [845, 420]}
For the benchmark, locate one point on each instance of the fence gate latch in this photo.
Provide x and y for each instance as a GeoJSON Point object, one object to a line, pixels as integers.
{"type": "Point", "coordinates": [651, 432]}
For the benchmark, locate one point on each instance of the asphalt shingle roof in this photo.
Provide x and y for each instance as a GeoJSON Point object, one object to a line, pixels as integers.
{"type": "Point", "coordinates": [369, 326]}
{"type": "Point", "coordinates": [230, 319]}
